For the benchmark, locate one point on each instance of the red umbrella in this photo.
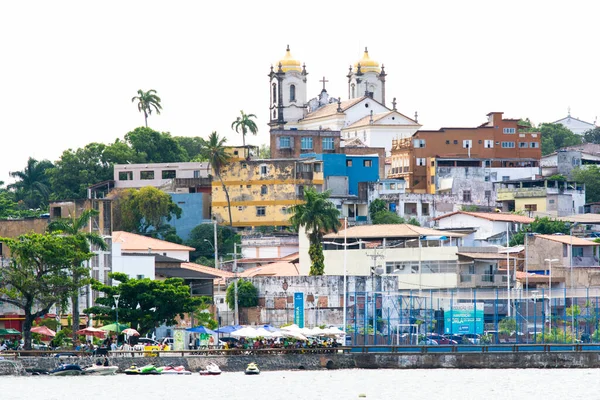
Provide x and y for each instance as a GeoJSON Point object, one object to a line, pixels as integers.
{"type": "Point", "coordinates": [130, 332]}
{"type": "Point", "coordinates": [90, 331]}
{"type": "Point", "coordinates": [43, 330]}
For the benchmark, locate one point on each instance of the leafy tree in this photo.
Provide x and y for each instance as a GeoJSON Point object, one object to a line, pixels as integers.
{"type": "Point", "coordinates": [76, 226]}
{"type": "Point", "coordinates": [215, 152]}
{"type": "Point", "coordinates": [202, 316]}
{"type": "Point", "coordinates": [318, 216]}
{"type": "Point", "coordinates": [160, 301]}
{"type": "Point", "coordinates": [556, 136]}
{"type": "Point", "coordinates": [264, 152]}
{"type": "Point", "coordinates": [32, 185]}
{"type": "Point", "coordinates": [155, 147]}
{"type": "Point", "coordinates": [413, 221]}
{"type": "Point", "coordinates": [147, 101]}
{"type": "Point", "coordinates": [145, 211]}
{"type": "Point", "coordinates": [507, 326]}
{"type": "Point", "coordinates": [247, 294]}
{"type": "Point", "coordinates": [192, 146]}
{"type": "Point", "coordinates": [592, 136]}
{"type": "Point", "coordinates": [203, 233]}
{"type": "Point", "coordinates": [590, 176]}
{"type": "Point", "coordinates": [387, 217]}
{"type": "Point", "coordinates": [544, 226]}
{"type": "Point", "coordinates": [38, 275]}
{"type": "Point", "coordinates": [376, 206]}
{"type": "Point", "coordinates": [245, 124]}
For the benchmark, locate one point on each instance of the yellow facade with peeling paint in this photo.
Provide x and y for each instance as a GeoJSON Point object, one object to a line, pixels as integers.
{"type": "Point", "coordinates": [262, 191]}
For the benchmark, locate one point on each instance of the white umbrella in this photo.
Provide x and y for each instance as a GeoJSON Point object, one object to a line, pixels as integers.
{"type": "Point", "coordinates": [291, 328]}
{"type": "Point", "coordinates": [245, 332]}
{"type": "Point", "coordinates": [335, 331]}
{"type": "Point", "coordinates": [294, 335]}
{"type": "Point", "coordinates": [262, 332]}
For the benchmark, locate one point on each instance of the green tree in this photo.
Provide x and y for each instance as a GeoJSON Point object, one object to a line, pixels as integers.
{"type": "Point", "coordinates": [191, 145]}
{"type": "Point", "coordinates": [245, 124]}
{"type": "Point", "coordinates": [544, 226]}
{"type": "Point", "coordinates": [247, 294]}
{"type": "Point", "coordinates": [202, 315]}
{"type": "Point", "coordinates": [413, 221]}
{"type": "Point", "coordinates": [215, 152]}
{"type": "Point", "coordinates": [264, 152]}
{"type": "Point", "coordinates": [32, 184]}
{"type": "Point", "coordinates": [592, 136]}
{"type": "Point", "coordinates": [147, 101]}
{"type": "Point", "coordinates": [318, 216]}
{"type": "Point", "coordinates": [145, 211]}
{"type": "Point", "coordinates": [507, 326]}
{"type": "Point", "coordinates": [202, 239]}
{"type": "Point", "coordinates": [590, 176]}
{"type": "Point", "coordinates": [556, 136]}
{"type": "Point", "coordinates": [376, 206]}
{"type": "Point", "coordinates": [38, 275]}
{"type": "Point", "coordinates": [76, 226]}
{"type": "Point", "coordinates": [155, 147]}
{"type": "Point", "coordinates": [160, 301]}
{"type": "Point", "coordinates": [387, 217]}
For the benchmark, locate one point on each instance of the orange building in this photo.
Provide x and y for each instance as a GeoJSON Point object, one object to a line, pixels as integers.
{"type": "Point", "coordinates": [497, 144]}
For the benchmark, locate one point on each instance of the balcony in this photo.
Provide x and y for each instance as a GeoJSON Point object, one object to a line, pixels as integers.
{"type": "Point", "coordinates": [507, 194]}
{"type": "Point", "coordinates": [304, 175]}
{"type": "Point", "coordinates": [483, 280]}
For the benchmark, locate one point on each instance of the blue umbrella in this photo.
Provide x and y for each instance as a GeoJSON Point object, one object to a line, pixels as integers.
{"type": "Point", "coordinates": [270, 328]}
{"type": "Point", "coordinates": [228, 328]}
{"type": "Point", "coordinates": [201, 329]}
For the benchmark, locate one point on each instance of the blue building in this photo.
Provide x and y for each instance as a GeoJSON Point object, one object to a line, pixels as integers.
{"type": "Point", "coordinates": [355, 168]}
{"type": "Point", "coordinates": [195, 209]}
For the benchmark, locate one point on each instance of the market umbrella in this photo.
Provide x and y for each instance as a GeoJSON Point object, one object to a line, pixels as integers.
{"type": "Point", "coordinates": [270, 328]}
{"type": "Point", "coordinates": [113, 327]}
{"type": "Point", "coordinates": [9, 332]}
{"type": "Point", "coordinates": [229, 328]}
{"type": "Point", "coordinates": [43, 330]}
{"type": "Point", "coordinates": [294, 335]}
{"type": "Point", "coordinates": [201, 329]}
{"type": "Point", "coordinates": [246, 332]}
{"type": "Point", "coordinates": [334, 331]}
{"type": "Point", "coordinates": [96, 332]}
{"type": "Point", "coordinates": [130, 332]}
{"type": "Point", "coordinates": [262, 332]}
{"type": "Point", "coordinates": [292, 328]}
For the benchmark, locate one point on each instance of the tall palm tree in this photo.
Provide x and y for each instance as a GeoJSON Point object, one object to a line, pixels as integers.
{"type": "Point", "coordinates": [76, 226]}
{"type": "Point", "coordinates": [245, 124]}
{"type": "Point", "coordinates": [32, 185]}
{"type": "Point", "coordinates": [318, 216]}
{"type": "Point", "coordinates": [215, 152]}
{"type": "Point", "coordinates": [146, 102]}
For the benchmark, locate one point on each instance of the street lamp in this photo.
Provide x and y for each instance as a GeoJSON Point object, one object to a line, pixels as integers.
{"type": "Point", "coordinates": [117, 297]}
{"type": "Point", "coordinates": [550, 261]}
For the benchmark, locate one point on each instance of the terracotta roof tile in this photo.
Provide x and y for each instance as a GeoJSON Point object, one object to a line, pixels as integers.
{"type": "Point", "coordinates": [521, 219]}
{"type": "Point", "coordinates": [567, 239]}
{"type": "Point", "coordinates": [331, 109]}
{"type": "Point", "coordinates": [393, 230]}
{"type": "Point", "coordinates": [133, 242]}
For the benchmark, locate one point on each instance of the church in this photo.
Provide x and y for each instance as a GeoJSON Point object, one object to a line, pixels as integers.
{"type": "Point", "coordinates": [362, 119]}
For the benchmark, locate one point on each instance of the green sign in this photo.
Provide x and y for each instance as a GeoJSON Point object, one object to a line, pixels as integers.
{"type": "Point", "coordinates": [464, 318]}
{"type": "Point", "coordinates": [299, 309]}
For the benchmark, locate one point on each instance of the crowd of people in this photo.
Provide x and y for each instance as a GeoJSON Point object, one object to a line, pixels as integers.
{"type": "Point", "coordinates": [281, 343]}
{"type": "Point", "coordinates": [8, 344]}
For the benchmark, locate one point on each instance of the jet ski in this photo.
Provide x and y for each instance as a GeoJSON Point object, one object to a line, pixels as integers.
{"type": "Point", "coordinates": [211, 369]}
{"type": "Point", "coordinates": [67, 369]}
{"type": "Point", "coordinates": [171, 370]}
{"type": "Point", "coordinates": [252, 369]}
{"type": "Point", "coordinates": [101, 370]}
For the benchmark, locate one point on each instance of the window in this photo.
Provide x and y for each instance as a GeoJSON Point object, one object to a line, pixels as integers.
{"type": "Point", "coordinates": [126, 176]}
{"type": "Point", "coordinates": [421, 162]}
{"type": "Point", "coordinates": [306, 143]}
{"type": "Point", "coordinates": [509, 131]}
{"type": "Point", "coordinates": [531, 207]}
{"type": "Point", "coordinates": [367, 163]}
{"type": "Point", "coordinates": [505, 178]}
{"type": "Point", "coordinates": [456, 142]}
{"type": "Point", "coordinates": [551, 201]}
{"type": "Point", "coordinates": [146, 175]}
{"type": "Point", "coordinates": [479, 141]}
{"type": "Point", "coordinates": [328, 143]}
{"type": "Point", "coordinates": [317, 168]}
{"type": "Point", "coordinates": [488, 144]}
{"type": "Point", "coordinates": [348, 163]}
{"type": "Point", "coordinates": [274, 93]}
{"type": "Point", "coordinates": [486, 178]}
{"type": "Point", "coordinates": [263, 189]}
{"type": "Point", "coordinates": [522, 144]}
{"type": "Point", "coordinates": [196, 174]}
{"type": "Point", "coordinates": [168, 174]}
{"type": "Point", "coordinates": [419, 143]}
{"type": "Point", "coordinates": [292, 93]}
{"type": "Point", "coordinates": [284, 142]}
{"type": "Point", "coordinates": [261, 211]}
{"type": "Point", "coordinates": [577, 251]}
{"type": "Point", "coordinates": [447, 142]}
{"type": "Point", "coordinates": [467, 144]}
{"type": "Point", "coordinates": [353, 90]}
{"type": "Point", "coordinates": [432, 180]}
{"type": "Point", "coordinates": [488, 194]}
{"type": "Point", "coordinates": [466, 195]}
{"type": "Point", "coordinates": [139, 276]}
{"type": "Point", "coordinates": [508, 145]}
{"type": "Point", "coordinates": [534, 145]}
{"type": "Point", "coordinates": [264, 170]}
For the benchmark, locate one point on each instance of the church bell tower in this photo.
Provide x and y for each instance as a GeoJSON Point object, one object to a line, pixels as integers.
{"type": "Point", "coordinates": [287, 87]}
{"type": "Point", "coordinates": [366, 78]}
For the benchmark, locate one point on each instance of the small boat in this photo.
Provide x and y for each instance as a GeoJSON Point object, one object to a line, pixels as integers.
{"type": "Point", "coordinates": [101, 370]}
{"type": "Point", "coordinates": [171, 370]}
{"type": "Point", "coordinates": [67, 369]}
{"type": "Point", "coordinates": [252, 369]}
{"type": "Point", "coordinates": [133, 370]}
{"type": "Point", "coordinates": [211, 369]}
{"type": "Point", "coordinates": [149, 369]}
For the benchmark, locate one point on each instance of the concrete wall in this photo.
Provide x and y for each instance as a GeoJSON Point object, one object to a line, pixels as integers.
{"type": "Point", "coordinates": [134, 171]}
{"type": "Point", "coordinates": [17, 227]}
{"type": "Point", "coordinates": [132, 265]}
{"type": "Point", "coordinates": [194, 212]}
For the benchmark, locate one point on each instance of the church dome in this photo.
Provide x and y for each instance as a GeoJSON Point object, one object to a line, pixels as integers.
{"type": "Point", "coordinates": [289, 63]}
{"type": "Point", "coordinates": [366, 64]}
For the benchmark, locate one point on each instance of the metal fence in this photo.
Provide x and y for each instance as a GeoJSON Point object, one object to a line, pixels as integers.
{"type": "Point", "coordinates": [474, 316]}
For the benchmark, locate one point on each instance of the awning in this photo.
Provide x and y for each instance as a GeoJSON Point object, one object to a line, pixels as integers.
{"type": "Point", "coordinates": [9, 332]}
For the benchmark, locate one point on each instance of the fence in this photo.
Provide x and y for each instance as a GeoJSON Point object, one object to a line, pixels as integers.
{"type": "Point", "coordinates": [474, 316]}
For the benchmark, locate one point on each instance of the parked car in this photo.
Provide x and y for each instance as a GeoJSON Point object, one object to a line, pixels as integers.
{"type": "Point", "coordinates": [442, 339]}
{"type": "Point", "coordinates": [428, 342]}
{"type": "Point", "coordinates": [474, 338]}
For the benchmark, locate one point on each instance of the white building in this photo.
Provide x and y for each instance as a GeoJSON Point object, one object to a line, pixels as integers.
{"type": "Point", "coordinates": [157, 175]}
{"type": "Point", "coordinates": [575, 125]}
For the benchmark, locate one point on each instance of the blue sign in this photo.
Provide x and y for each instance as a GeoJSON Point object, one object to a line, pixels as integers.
{"type": "Point", "coordinates": [299, 309]}
{"type": "Point", "coordinates": [464, 318]}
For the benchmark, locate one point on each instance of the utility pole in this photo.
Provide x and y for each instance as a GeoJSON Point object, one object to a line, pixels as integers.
{"type": "Point", "coordinates": [236, 316]}
{"type": "Point", "coordinates": [374, 274]}
{"type": "Point", "coordinates": [216, 246]}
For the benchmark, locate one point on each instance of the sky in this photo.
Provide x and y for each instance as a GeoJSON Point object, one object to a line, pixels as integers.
{"type": "Point", "coordinates": [69, 69]}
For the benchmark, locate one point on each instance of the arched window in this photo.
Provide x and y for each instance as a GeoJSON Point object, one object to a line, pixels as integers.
{"type": "Point", "coordinates": [274, 93]}
{"type": "Point", "coordinates": [292, 92]}
{"type": "Point", "coordinates": [353, 89]}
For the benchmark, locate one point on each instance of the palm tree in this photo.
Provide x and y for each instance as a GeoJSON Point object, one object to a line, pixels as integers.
{"type": "Point", "coordinates": [146, 102]}
{"type": "Point", "coordinates": [245, 124]}
{"type": "Point", "coordinates": [76, 226]}
{"type": "Point", "coordinates": [215, 152]}
{"type": "Point", "coordinates": [32, 185]}
{"type": "Point", "coordinates": [318, 216]}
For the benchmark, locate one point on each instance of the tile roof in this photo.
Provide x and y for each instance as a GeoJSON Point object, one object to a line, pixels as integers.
{"type": "Point", "coordinates": [133, 242]}
{"type": "Point", "coordinates": [502, 217]}
{"type": "Point", "coordinates": [331, 109]}
{"type": "Point", "coordinates": [484, 256]}
{"type": "Point", "coordinates": [275, 269]}
{"type": "Point", "coordinates": [567, 239]}
{"type": "Point", "coordinates": [366, 119]}
{"type": "Point", "coordinates": [217, 273]}
{"type": "Point", "coordinates": [392, 230]}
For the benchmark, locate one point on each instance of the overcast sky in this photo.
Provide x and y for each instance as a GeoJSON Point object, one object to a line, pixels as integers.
{"type": "Point", "coordinates": [68, 70]}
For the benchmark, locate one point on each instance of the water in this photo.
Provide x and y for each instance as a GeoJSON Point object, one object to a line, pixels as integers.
{"type": "Point", "coordinates": [380, 384]}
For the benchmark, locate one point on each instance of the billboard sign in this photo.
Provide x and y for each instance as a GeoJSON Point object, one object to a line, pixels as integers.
{"type": "Point", "coordinates": [299, 309]}
{"type": "Point", "coordinates": [464, 318]}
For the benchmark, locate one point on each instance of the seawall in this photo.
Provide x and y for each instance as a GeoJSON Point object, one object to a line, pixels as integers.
{"type": "Point", "coordinates": [237, 363]}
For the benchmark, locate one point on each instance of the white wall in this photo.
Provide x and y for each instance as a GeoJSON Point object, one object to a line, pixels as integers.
{"type": "Point", "coordinates": [180, 255]}
{"type": "Point", "coordinates": [132, 265]}
{"type": "Point", "coordinates": [182, 170]}
{"type": "Point", "coordinates": [428, 281]}
{"type": "Point", "coordinates": [485, 228]}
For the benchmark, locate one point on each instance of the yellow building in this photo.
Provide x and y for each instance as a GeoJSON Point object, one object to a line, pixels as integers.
{"type": "Point", "coordinates": [262, 191]}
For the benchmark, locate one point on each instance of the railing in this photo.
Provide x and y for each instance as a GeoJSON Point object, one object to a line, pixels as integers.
{"type": "Point", "coordinates": [493, 348]}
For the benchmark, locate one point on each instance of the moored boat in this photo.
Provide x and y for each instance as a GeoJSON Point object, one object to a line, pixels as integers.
{"type": "Point", "coordinates": [252, 369]}
{"type": "Point", "coordinates": [101, 370]}
{"type": "Point", "coordinates": [67, 369]}
{"type": "Point", "coordinates": [211, 369]}
{"type": "Point", "coordinates": [171, 370]}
